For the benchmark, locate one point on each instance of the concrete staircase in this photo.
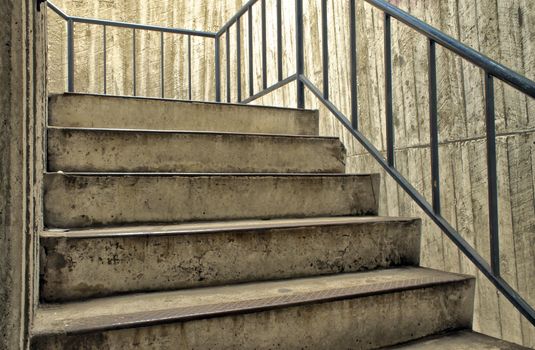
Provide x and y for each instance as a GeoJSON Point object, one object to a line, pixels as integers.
{"type": "Point", "coordinates": [179, 225]}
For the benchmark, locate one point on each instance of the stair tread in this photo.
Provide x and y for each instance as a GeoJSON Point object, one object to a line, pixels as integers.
{"type": "Point", "coordinates": [459, 340]}
{"type": "Point", "coordinates": [177, 101]}
{"type": "Point", "coordinates": [89, 199]}
{"type": "Point", "coordinates": [217, 226]}
{"type": "Point", "coordinates": [191, 132]}
{"type": "Point", "coordinates": [142, 150]}
{"type": "Point", "coordinates": [86, 110]}
{"type": "Point", "coordinates": [164, 307]}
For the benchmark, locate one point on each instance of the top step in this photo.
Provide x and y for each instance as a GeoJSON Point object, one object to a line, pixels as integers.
{"type": "Point", "coordinates": [98, 111]}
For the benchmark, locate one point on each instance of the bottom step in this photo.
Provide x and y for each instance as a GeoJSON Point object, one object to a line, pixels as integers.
{"type": "Point", "coordinates": [347, 311]}
{"type": "Point", "coordinates": [461, 340]}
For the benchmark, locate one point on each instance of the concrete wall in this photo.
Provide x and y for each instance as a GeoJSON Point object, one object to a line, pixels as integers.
{"type": "Point", "coordinates": [502, 29]}
{"type": "Point", "coordinates": [22, 82]}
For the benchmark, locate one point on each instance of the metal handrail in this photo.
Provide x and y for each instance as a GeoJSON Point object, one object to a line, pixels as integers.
{"type": "Point", "coordinates": [138, 26]}
{"type": "Point", "coordinates": [435, 37]}
{"type": "Point", "coordinates": [159, 29]}
{"type": "Point", "coordinates": [71, 20]}
{"type": "Point", "coordinates": [491, 68]}
{"type": "Point", "coordinates": [245, 8]}
{"type": "Point", "coordinates": [57, 10]}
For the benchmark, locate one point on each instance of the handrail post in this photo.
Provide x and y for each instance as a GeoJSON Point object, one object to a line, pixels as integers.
{"type": "Point", "coordinates": [299, 53]}
{"type": "Point", "coordinates": [134, 63]}
{"type": "Point", "coordinates": [217, 70]}
{"type": "Point", "coordinates": [390, 135]}
{"type": "Point", "coordinates": [353, 64]}
{"type": "Point", "coordinates": [162, 64]}
{"type": "Point", "coordinates": [264, 45]}
{"type": "Point", "coordinates": [250, 42]}
{"type": "Point", "coordinates": [70, 55]}
{"type": "Point", "coordinates": [104, 59]}
{"type": "Point", "coordinates": [279, 40]}
{"type": "Point", "coordinates": [227, 42]}
{"type": "Point", "coordinates": [238, 60]}
{"type": "Point", "coordinates": [325, 48]}
{"type": "Point", "coordinates": [492, 175]}
{"type": "Point", "coordinates": [433, 127]}
{"type": "Point", "coordinates": [189, 68]}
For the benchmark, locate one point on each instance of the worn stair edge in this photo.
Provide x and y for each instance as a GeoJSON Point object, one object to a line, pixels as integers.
{"type": "Point", "coordinates": [101, 199]}
{"type": "Point", "coordinates": [362, 310]}
{"type": "Point", "coordinates": [78, 265]}
{"type": "Point", "coordinates": [86, 110]}
{"type": "Point", "coordinates": [131, 150]}
{"type": "Point", "coordinates": [459, 340]}
{"type": "Point", "coordinates": [218, 226]}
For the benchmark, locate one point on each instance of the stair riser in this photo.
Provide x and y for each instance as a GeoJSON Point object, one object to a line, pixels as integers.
{"type": "Point", "coordinates": [123, 151]}
{"type": "Point", "coordinates": [83, 201]}
{"type": "Point", "coordinates": [122, 112]}
{"type": "Point", "coordinates": [82, 268]}
{"type": "Point", "coordinates": [361, 323]}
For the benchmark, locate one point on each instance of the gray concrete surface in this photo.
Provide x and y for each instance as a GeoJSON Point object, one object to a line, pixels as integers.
{"type": "Point", "coordinates": [158, 151]}
{"type": "Point", "coordinates": [358, 321]}
{"type": "Point", "coordinates": [461, 340]}
{"type": "Point", "coordinates": [101, 263]}
{"type": "Point", "coordinates": [78, 110]}
{"type": "Point", "coordinates": [22, 111]}
{"type": "Point", "coordinates": [77, 200]}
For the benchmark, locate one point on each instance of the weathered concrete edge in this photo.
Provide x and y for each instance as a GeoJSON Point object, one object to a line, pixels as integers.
{"type": "Point", "coordinates": [188, 132]}
{"type": "Point", "coordinates": [130, 232]}
{"type": "Point", "coordinates": [315, 112]}
{"type": "Point", "coordinates": [459, 333]}
{"type": "Point", "coordinates": [454, 280]}
{"type": "Point", "coordinates": [352, 202]}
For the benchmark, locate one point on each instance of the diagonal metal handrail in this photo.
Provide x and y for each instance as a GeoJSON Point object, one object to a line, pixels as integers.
{"type": "Point", "coordinates": [491, 69]}
{"type": "Point", "coordinates": [490, 66]}
{"type": "Point", "coordinates": [514, 297]}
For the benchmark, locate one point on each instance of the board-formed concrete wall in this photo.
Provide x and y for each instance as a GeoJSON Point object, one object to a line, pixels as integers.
{"type": "Point", "coordinates": [502, 29]}
{"type": "Point", "coordinates": [22, 115]}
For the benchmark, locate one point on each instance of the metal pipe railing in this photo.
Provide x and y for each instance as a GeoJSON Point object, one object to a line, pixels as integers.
{"type": "Point", "coordinates": [137, 26]}
{"type": "Point", "coordinates": [513, 296]}
{"type": "Point", "coordinates": [435, 37]}
{"type": "Point", "coordinates": [353, 70]}
{"type": "Point", "coordinates": [490, 66]}
{"type": "Point", "coordinates": [300, 54]}
{"type": "Point", "coordinates": [72, 20]}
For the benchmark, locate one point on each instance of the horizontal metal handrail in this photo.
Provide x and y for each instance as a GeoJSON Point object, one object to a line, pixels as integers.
{"type": "Point", "coordinates": [143, 27]}
{"type": "Point", "coordinates": [489, 65]}
{"type": "Point", "coordinates": [71, 20]}
{"type": "Point", "coordinates": [109, 23]}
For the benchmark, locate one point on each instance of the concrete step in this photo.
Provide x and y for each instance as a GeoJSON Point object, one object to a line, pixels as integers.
{"type": "Point", "coordinates": [90, 263]}
{"type": "Point", "coordinates": [459, 340]}
{"type": "Point", "coordinates": [94, 111]}
{"type": "Point", "coordinates": [363, 310]}
{"type": "Point", "coordinates": [93, 199]}
{"type": "Point", "coordinates": [79, 149]}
